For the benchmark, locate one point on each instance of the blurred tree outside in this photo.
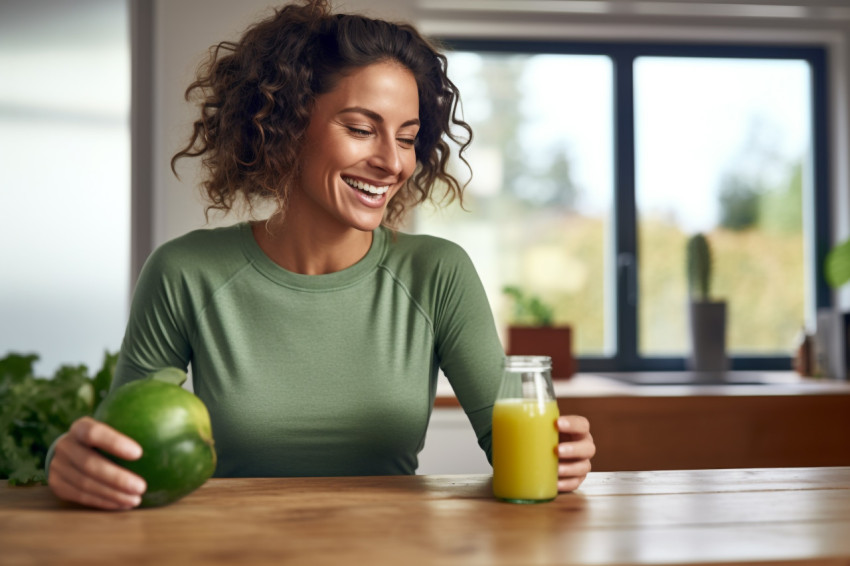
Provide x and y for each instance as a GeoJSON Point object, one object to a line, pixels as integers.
{"type": "Point", "coordinates": [540, 240]}
{"type": "Point", "coordinates": [758, 259]}
{"type": "Point", "coordinates": [546, 247]}
{"type": "Point", "coordinates": [739, 203]}
{"type": "Point", "coordinates": [536, 238]}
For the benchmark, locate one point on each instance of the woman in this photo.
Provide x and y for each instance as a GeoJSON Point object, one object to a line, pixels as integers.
{"type": "Point", "coordinates": [314, 337]}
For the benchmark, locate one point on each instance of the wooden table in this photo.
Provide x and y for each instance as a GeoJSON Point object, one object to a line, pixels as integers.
{"type": "Point", "coordinates": [787, 515]}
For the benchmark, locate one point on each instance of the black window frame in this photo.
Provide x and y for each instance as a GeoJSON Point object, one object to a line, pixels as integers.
{"type": "Point", "coordinates": [623, 55]}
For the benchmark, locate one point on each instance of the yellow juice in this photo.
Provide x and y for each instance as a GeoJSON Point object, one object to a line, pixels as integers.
{"type": "Point", "coordinates": [525, 440]}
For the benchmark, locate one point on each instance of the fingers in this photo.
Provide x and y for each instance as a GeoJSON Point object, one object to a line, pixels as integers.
{"type": "Point", "coordinates": [575, 452]}
{"type": "Point", "coordinates": [79, 473]}
{"type": "Point", "coordinates": [573, 424]}
{"type": "Point", "coordinates": [95, 434]}
{"type": "Point", "coordinates": [89, 464]}
{"type": "Point", "coordinates": [70, 484]}
{"type": "Point", "coordinates": [570, 484]}
{"type": "Point", "coordinates": [578, 442]}
{"type": "Point", "coordinates": [580, 448]}
{"type": "Point", "coordinates": [572, 474]}
{"type": "Point", "coordinates": [578, 468]}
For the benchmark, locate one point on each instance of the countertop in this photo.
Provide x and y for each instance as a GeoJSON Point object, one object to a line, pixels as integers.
{"type": "Point", "coordinates": [677, 384]}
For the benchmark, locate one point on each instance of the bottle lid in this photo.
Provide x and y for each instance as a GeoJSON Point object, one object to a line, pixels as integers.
{"type": "Point", "coordinates": [528, 362]}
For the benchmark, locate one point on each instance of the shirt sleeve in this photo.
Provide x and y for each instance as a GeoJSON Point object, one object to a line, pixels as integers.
{"type": "Point", "coordinates": [468, 346]}
{"type": "Point", "coordinates": [160, 321]}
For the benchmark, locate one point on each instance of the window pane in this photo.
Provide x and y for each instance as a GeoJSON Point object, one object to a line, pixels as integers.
{"type": "Point", "coordinates": [65, 174]}
{"type": "Point", "coordinates": [539, 203]}
{"type": "Point", "coordinates": [722, 147]}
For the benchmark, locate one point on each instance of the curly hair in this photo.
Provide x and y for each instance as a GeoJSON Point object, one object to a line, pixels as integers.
{"type": "Point", "coordinates": [256, 96]}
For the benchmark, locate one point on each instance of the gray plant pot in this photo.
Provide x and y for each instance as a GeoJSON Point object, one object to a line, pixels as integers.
{"type": "Point", "coordinates": [708, 336]}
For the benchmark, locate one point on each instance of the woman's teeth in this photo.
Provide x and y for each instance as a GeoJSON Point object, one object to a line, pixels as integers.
{"type": "Point", "coordinates": [366, 186]}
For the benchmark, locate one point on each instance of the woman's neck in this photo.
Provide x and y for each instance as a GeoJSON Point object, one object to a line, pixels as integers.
{"type": "Point", "coordinates": [310, 250]}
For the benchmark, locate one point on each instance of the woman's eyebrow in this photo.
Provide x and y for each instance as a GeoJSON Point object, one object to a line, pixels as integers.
{"type": "Point", "coordinates": [374, 115]}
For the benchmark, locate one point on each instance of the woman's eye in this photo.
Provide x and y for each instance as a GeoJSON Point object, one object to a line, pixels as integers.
{"type": "Point", "coordinates": [407, 142]}
{"type": "Point", "coordinates": [359, 132]}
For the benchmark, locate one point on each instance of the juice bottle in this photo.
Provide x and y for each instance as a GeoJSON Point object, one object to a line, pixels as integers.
{"type": "Point", "coordinates": [525, 465]}
{"type": "Point", "coordinates": [525, 434]}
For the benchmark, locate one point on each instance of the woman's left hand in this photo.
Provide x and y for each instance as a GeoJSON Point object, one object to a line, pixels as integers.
{"type": "Point", "coordinates": [575, 452]}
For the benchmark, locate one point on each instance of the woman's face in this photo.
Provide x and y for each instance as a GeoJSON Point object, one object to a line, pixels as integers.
{"type": "Point", "coordinates": [359, 147]}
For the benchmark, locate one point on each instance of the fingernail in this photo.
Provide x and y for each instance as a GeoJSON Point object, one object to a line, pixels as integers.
{"type": "Point", "coordinates": [135, 500]}
{"type": "Point", "coordinates": [134, 451]}
{"type": "Point", "coordinates": [138, 485]}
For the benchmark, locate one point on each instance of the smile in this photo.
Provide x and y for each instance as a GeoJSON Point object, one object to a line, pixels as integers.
{"type": "Point", "coordinates": [366, 187]}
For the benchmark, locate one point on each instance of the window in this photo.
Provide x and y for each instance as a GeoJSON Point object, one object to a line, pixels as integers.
{"type": "Point", "coordinates": [65, 173]}
{"type": "Point", "coordinates": [542, 184]}
{"type": "Point", "coordinates": [593, 163]}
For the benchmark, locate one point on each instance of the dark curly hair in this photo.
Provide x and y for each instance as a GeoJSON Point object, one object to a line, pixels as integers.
{"type": "Point", "coordinates": [256, 96]}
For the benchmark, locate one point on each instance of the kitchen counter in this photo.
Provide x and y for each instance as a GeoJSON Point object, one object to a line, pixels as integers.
{"type": "Point", "coordinates": [792, 515]}
{"type": "Point", "coordinates": [678, 384]}
{"type": "Point", "coordinates": [784, 421]}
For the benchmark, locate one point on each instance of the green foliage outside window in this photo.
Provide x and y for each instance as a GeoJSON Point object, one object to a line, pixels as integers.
{"type": "Point", "coordinates": [539, 211]}
{"type": "Point", "coordinates": [837, 266]}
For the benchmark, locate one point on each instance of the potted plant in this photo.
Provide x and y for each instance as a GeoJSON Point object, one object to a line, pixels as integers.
{"type": "Point", "coordinates": [837, 265]}
{"type": "Point", "coordinates": [532, 332]}
{"type": "Point", "coordinates": [831, 356]}
{"type": "Point", "coordinates": [707, 317]}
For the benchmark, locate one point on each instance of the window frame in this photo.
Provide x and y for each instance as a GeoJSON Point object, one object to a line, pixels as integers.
{"type": "Point", "coordinates": [624, 226]}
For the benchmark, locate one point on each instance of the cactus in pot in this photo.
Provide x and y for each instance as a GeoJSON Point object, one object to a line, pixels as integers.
{"type": "Point", "coordinates": [699, 268]}
{"type": "Point", "coordinates": [707, 317]}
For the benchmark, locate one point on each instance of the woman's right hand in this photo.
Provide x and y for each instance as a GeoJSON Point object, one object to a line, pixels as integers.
{"type": "Point", "coordinates": [79, 473]}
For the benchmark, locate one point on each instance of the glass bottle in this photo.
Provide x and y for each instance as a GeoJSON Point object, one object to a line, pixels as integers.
{"type": "Point", "coordinates": [525, 432]}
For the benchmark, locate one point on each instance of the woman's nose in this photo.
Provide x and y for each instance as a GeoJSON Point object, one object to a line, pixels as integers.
{"type": "Point", "coordinates": [387, 156]}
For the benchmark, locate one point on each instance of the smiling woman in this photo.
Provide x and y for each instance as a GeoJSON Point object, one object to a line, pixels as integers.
{"type": "Point", "coordinates": [315, 336]}
{"type": "Point", "coordinates": [255, 111]}
{"type": "Point", "coordinates": [359, 151]}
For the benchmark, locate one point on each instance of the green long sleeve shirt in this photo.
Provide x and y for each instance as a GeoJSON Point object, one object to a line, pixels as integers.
{"type": "Point", "coordinates": [316, 374]}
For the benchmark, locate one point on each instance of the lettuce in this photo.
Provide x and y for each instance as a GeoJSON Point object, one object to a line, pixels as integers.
{"type": "Point", "coordinates": [35, 411]}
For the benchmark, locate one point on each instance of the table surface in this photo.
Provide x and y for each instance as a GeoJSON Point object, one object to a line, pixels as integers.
{"type": "Point", "coordinates": [780, 515]}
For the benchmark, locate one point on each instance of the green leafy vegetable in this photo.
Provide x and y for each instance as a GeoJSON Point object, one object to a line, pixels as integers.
{"type": "Point", "coordinates": [35, 411]}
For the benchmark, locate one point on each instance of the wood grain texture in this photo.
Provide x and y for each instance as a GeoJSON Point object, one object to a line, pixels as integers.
{"type": "Point", "coordinates": [779, 515]}
{"type": "Point", "coordinates": [705, 431]}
